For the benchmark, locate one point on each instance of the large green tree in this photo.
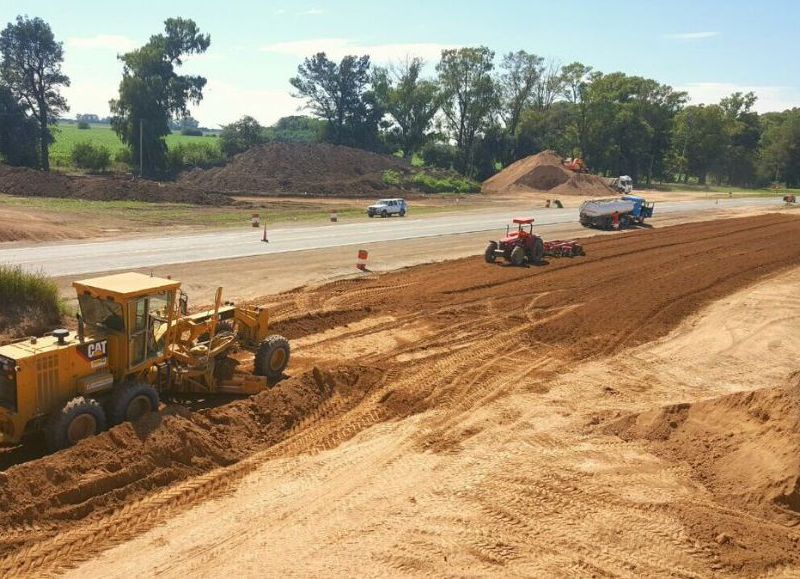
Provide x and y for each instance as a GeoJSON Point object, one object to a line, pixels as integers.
{"type": "Point", "coordinates": [780, 147]}
{"type": "Point", "coordinates": [469, 98]}
{"type": "Point", "coordinates": [519, 74]}
{"type": "Point", "coordinates": [342, 95]}
{"type": "Point", "coordinates": [744, 133]}
{"type": "Point", "coordinates": [241, 135]}
{"type": "Point", "coordinates": [152, 92]}
{"type": "Point", "coordinates": [411, 102]}
{"type": "Point", "coordinates": [699, 140]}
{"type": "Point", "coordinates": [19, 133]}
{"type": "Point", "coordinates": [626, 124]}
{"type": "Point", "coordinates": [30, 65]}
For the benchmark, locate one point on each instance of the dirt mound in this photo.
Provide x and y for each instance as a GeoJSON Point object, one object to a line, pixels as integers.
{"type": "Point", "coordinates": [25, 182]}
{"type": "Point", "coordinates": [316, 169]}
{"type": "Point", "coordinates": [745, 447]}
{"type": "Point", "coordinates": [110, 470]}
{"type": "Point", "coordinates": [545, 172]}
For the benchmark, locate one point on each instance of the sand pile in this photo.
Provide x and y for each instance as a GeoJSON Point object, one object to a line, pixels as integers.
{"type": "Point", "coordinates": [25, 182]}
{"type": "Point", "coordinates": [744, 447]}
{"type": "Point", "coordinates": [545, 172]}
{"type": "Point", "coordinates": [317, 169]}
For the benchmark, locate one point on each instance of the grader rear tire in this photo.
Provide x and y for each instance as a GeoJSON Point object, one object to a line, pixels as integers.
{"type": "Point", "coordinates": [79, 418]}
{"type": "Point", "coordinates": [272, 357]}
{"type": "Point", "coordinates": [132, 402]}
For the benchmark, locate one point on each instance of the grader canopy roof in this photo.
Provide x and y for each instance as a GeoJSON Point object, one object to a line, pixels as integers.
{"type": "Point", "coordinates": [125, 285]}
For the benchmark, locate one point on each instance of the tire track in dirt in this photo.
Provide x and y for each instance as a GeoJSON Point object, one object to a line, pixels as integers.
{"type": "Point", "coordinates": [507, 328]}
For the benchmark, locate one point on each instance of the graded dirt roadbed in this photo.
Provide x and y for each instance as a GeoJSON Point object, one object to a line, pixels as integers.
{"type": "Point", "coordinates": [438, 421]}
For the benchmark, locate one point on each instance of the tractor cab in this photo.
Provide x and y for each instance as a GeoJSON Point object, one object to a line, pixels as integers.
{"type": "Point", "coordinates": [131, 312]}
{"type": "Point", "coordinates": [524, 229]}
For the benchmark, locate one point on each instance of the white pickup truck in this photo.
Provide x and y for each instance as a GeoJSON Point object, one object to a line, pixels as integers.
{"type": "Point", "coordinates": [388, 207]}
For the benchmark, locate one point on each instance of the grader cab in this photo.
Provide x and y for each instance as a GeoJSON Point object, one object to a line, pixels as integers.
{"type": "Point", "coordinates": [134, 340]}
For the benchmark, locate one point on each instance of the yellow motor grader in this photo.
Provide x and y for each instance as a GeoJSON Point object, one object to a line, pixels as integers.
{"type": "Point", "coordinates": [134, 340]}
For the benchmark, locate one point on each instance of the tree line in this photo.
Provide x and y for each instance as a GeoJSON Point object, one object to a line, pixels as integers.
{"type": "Point", "coordinates": [476, 113]}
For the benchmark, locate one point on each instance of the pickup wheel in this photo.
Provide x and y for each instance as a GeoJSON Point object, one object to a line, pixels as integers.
{"type": "Point", "coordinates": [402, 213]}
{"type": "Point", "coordinates": [489, 255]}
{"type": "Point", "coordinates": [79, 418]}
{"type": "Point", "coordinates": [384, 213]}
{"type": "Point", "coordinates": [272, 357]}
{"type": "Point", "coordinates": [131, 402]}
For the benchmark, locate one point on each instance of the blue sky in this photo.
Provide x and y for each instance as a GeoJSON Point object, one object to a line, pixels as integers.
{"type": "Point", "coordinates": [708, 48]}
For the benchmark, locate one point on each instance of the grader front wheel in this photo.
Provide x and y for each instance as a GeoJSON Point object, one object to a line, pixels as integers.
{"type": "Point", "coordinates": [272, 357]}
{"type": "Point", "coordinates": [130, 403]}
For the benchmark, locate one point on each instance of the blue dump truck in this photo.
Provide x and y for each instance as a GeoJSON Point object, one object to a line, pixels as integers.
{"type": "Point", "coordinates": [630, 210]}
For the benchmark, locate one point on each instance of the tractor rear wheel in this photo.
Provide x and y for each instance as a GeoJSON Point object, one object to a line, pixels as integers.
{"type": "Point", "coordinates": [79, 418]}
{"type": "Point", "coordinates": [538, 250]}
{"type": "Point", "coordinates": [489, 255]}
{"type": "Point", "coordinates": [272, 357]}
{"type": "Point", "coordinates": [129, 403]}
{"type": "Point", "coordinates": [517, 256]}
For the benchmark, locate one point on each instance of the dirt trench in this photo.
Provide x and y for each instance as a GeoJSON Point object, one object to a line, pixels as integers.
{"type": "Point", "coordinates": [447, 337]}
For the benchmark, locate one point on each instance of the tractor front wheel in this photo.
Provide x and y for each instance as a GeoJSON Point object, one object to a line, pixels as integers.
{"type": "Point", "coordinates": [272, 357]}
{"type": "Point", "coordinates": [130, 403]}
{"type": "Point", "coordinates": [517, 256]}
{"type": "Point", "coordinates": [489, 255]}
{"type": "Point", "coordinates": [79, 418]}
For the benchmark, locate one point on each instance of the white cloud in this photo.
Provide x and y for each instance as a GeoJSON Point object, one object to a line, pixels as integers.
{"type": "Point", "coordinates": [338, 47]}
{"type": "Point", "coordinates": [770, 98]}
{"type": "Point", "coordinates": [103, 42]}
{"type": "Point", "coordinates": [224, 103]}
{"type": "Point", "coordinates": [312, 12]}
{"type": "Point", "coordinates": [691, 35]}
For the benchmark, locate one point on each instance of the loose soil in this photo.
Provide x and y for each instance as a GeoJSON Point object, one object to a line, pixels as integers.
{"type": "Point", "coordinates": [744, 447]}
{"type": "Point", "coordinates": [25, 182]}
{"type": "Point", "coordinates": [300, 169]}
{"type": "Point", "coordinates": [437, 424]}
{"type": "Point", "coordinates": [545, 172]}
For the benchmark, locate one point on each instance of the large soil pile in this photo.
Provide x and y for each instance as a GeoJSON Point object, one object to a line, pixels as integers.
{"type": "Point", "coordinates": [317, 169]}
{"type": "Point", "coordinates": [25, 182]}
{"type": "Point", "coordinates": [545, 172]}
{"type": "Point", "coordinates": [745, 446]}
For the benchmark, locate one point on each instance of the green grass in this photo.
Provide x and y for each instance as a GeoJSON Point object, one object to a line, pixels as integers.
{"type": "Point", "coordinates": [721, 190]}
{"type": "Point", "coordinates": [139, 213]}
{"type": "Point", "coordinates": [67, 135]}
{"type": "Point", "coordinates": [32, 300]}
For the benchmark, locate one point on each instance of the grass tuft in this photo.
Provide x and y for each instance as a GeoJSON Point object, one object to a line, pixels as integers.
{"type": "Point", "coordinates": [29, 302]}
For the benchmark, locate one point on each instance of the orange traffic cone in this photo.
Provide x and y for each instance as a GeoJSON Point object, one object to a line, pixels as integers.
{"type": "Point", "coordinates": [361, 261]}
{"type": "Point", "coordinates": [264, 237]}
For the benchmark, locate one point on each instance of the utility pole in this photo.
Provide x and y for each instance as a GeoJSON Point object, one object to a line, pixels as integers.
{"type": "Point", "coordinates": [141, 147]}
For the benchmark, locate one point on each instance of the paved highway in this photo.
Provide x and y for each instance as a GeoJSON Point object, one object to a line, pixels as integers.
{"type": "Point", "coordinates": [63, 259]}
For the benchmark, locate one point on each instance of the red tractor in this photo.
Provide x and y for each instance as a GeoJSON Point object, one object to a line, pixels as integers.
{"type": "Point", "coordinates": [521, 246]}
{"type": "Point", "coordinates": [517, 246]}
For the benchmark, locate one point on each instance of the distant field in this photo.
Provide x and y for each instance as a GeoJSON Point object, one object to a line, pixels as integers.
{"type": "Point", "coordinates": [66, 136]}
{"type": "Point", "coordinates": [721, 189]}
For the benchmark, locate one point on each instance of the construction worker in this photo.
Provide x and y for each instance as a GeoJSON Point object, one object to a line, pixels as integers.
{"type": "Point", "coordinates": [615, 220]}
